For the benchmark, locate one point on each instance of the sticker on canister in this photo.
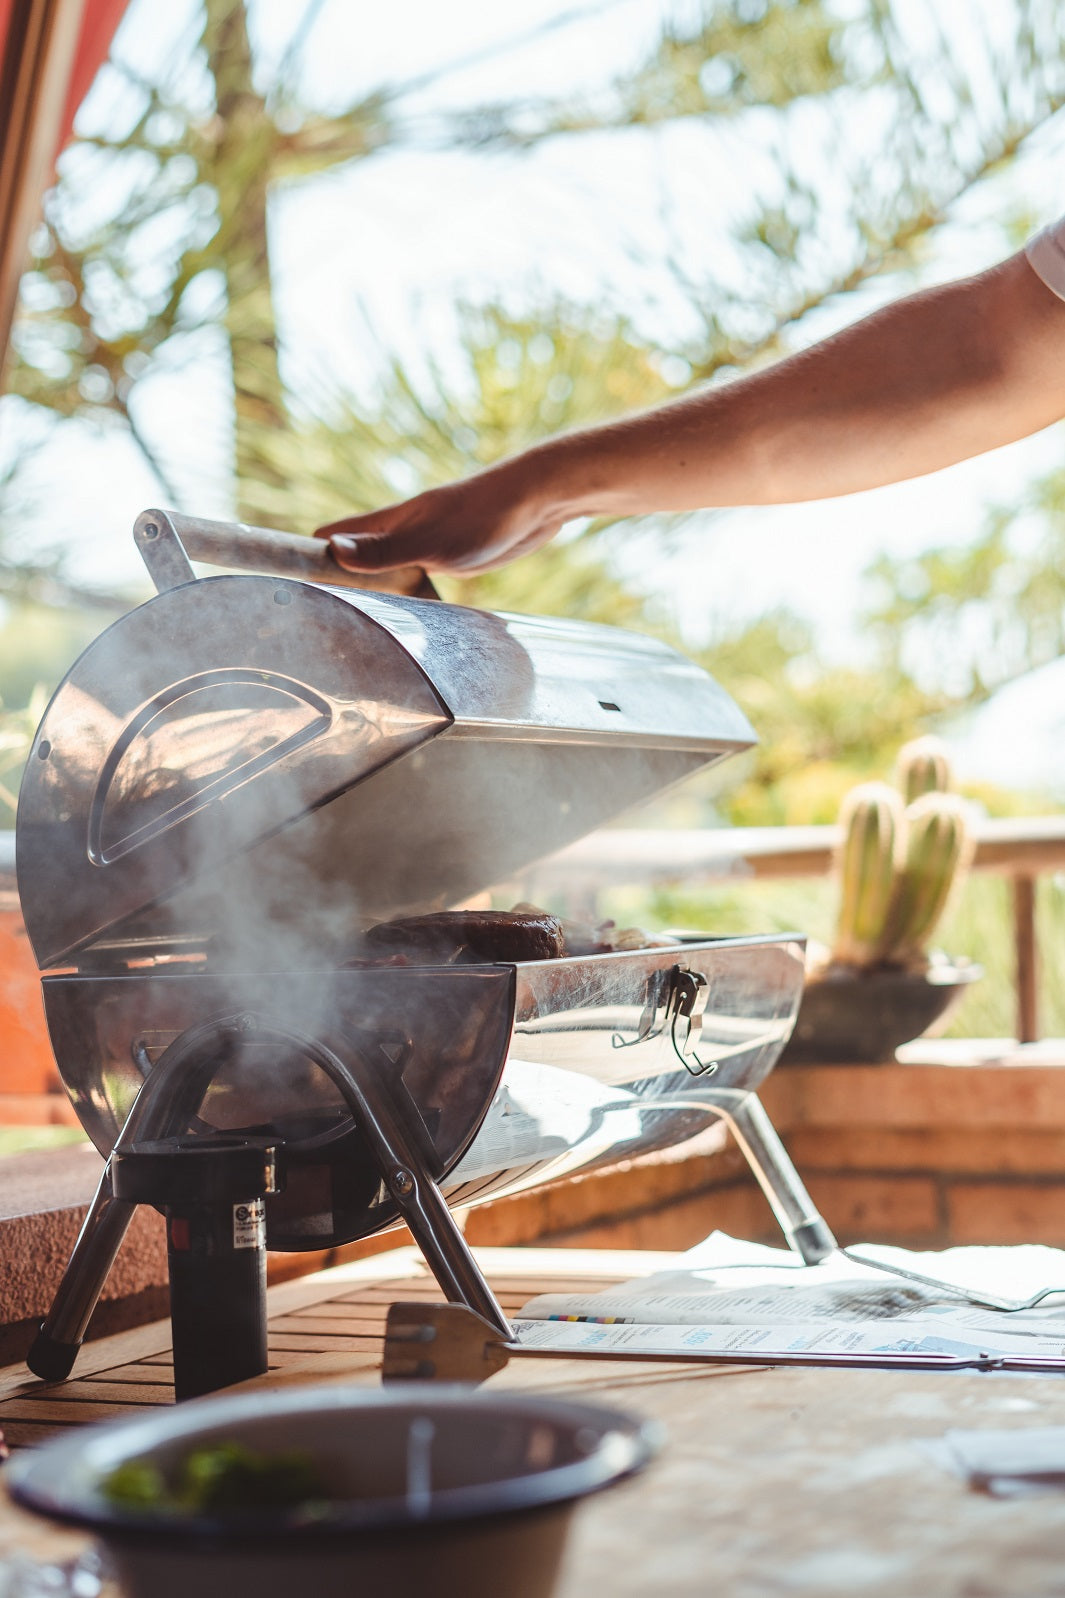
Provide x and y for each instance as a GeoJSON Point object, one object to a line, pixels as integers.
{"type": "Point", "coordinates": [249, 1224]}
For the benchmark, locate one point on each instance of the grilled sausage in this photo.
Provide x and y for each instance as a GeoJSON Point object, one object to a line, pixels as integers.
{"type": "Point", "coordinates": [468, 937]}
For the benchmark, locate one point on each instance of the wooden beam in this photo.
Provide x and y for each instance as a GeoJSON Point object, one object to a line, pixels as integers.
{"type": "Point", "coordinates": [38, 57]}
{"type": "Point", "coordinates": [1025, 845]}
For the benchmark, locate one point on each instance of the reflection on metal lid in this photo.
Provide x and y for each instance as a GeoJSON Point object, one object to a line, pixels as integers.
{"type": "Point", "coordinates": [192, 744]}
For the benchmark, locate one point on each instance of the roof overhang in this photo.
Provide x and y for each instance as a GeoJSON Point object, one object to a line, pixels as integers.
{"type": "Point", "coordinates": [49, 54]}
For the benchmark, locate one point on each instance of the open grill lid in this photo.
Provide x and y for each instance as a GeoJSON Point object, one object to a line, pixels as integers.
{"type": "Point", "coordinates": [265, 763]}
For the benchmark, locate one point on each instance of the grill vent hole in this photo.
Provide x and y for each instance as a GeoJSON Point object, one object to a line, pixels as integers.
{"type": "Point", "coordinates": [608, 704]}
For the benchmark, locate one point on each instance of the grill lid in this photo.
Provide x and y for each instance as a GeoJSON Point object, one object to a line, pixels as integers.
{"type": "Point", "coordinates": [271, 764]}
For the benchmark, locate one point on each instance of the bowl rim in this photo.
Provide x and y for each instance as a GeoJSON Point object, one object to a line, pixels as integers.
{"type": "Point", "coordinates": [59, 1479]}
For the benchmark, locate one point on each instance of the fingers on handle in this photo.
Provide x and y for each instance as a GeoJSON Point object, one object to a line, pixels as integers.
{"type": "Point", "coordinates": [370, 552]}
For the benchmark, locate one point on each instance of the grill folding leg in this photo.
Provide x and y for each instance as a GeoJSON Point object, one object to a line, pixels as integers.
{"type": "Point", "coordinates": [805, 1229]}
{"type": "Point", "coordinates": [62, 1332]}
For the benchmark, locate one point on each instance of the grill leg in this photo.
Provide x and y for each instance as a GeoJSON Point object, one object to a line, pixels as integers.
{"type": "Point", "coordinates": [807, 1233]}
{"type": "Point", "coordinates": [55, 1348]}
{"type": "Point", "coordinates": [388, 1119]}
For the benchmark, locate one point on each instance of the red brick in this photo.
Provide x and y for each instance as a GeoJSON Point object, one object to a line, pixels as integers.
{"type": "Point", "coordinates": [739, 1210]}
{"type": "Point", "coordinates": [1006, 1212]}
{"type": "Point", "coordinates": [878, 1208]}
{"type": "Point", "coordinates": [26, 1061]}
{"type": "Point", "coordinates": [975, 1151]}
{"type": "Point", "coordinates": [878, 1096]}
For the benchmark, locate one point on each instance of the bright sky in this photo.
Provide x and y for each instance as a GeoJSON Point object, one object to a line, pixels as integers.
{"type": "Point", "coordinates": [388, 244]}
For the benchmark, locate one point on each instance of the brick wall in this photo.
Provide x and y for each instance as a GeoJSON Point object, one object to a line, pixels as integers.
{"type": "Point", "coordinates": [27, 1069]}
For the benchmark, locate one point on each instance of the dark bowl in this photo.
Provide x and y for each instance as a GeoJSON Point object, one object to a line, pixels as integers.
{"type": "Point", "coordinates": [861, 1017]}
{"type": "Point", "coordinates": [432, 1490]}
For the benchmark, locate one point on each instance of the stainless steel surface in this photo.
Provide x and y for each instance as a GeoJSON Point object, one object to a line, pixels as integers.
{"type": "Point", "coordinates": [163, 553]}
{"type": "Point", "coordinates": [581, 1088]}
{"type": "Point", "coordinates": [246, 1053]}
{"type": "Point", "coordinates": [270, 763]}
{"type": "Point", "coordinates": [63, 1329]}
{"type": "Point", "coordinates": [793, 1207]}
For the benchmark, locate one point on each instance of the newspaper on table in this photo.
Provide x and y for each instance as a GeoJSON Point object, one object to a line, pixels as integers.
{"type": "Point", "coordinates": [733, 1297]}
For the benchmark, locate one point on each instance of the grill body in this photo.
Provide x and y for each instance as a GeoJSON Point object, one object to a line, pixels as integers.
{"type": "Point", "coordinates": [243, 773]}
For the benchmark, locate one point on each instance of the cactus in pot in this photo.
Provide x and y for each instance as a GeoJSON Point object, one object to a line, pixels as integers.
{"type": "Point", "coordinates": [900, 857]}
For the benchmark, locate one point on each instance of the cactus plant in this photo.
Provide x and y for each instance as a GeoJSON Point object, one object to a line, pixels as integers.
{"type": "Point", "coordinates": [897, 866]}
{"type": "Point", "coordinates": [938, 848]}
{"type": "Point", "coordinates": [922, 766]}
{"type": "Point", "coordinates": [872, 820]}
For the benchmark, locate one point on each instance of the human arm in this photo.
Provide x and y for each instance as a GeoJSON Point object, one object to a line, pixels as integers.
{"type": "Point", "coordinates": [932, 379]}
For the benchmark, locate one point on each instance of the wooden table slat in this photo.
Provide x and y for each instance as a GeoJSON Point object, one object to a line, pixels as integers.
{"type": "Point", "coordinates": [27, 1434]}
{"type": "Point", "coordinates": [92, 1389]}
{"type": "Point", "coordinates": [325, 1325]}
{"type": "Point", "coordinates": [282, 1343]}
{"type": "Point", "coordinates": [343, 1314]}
{"type": "Point", "coordinates": [146, 1371]}
{"type": "Point", "coordinates": [64, 1411]}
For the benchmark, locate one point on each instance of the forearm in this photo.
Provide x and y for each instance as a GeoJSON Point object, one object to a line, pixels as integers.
{"type": "Point", "coordinates": [925, 382]}
{"type": "Point", "coordinates": [928, 381]}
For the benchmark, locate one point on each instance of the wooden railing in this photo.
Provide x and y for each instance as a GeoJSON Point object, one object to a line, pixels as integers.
{"type": "Point", "coordinates": [1021, 848]}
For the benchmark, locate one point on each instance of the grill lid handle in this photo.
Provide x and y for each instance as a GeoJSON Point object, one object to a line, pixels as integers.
{"type": "Point", "coordinates": [167, 541]}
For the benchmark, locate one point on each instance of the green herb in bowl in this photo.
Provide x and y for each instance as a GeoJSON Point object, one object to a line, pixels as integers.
{"type": "Point", "coordinates": [225, 1476]}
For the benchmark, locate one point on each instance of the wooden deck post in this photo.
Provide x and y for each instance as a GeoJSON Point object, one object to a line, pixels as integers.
{"type": "Point", "coordinates": [1027, 970]}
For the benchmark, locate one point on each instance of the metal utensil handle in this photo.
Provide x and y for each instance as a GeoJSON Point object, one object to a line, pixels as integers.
{"type": "Point", "coordinates": [259, 549]}
{"type": "Point", "coordinates": [247, 548]}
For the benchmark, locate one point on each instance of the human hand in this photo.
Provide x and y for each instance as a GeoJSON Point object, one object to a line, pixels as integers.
{"type": "Point", "coordinates": [465, 527]}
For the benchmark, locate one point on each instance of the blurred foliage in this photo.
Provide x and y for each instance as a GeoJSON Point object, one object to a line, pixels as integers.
{"type": "Point", "coordinates": [991, 609]}
{"type": "Point", "coordinates": [176, 245]}
{"type": "Point", "coordinates": [17, 728]}
{"type": "Point", "coordinates": [32, 639]}
{"type": "Point", "coordinates": [821, 728]}
{"type": "Point", "coordinates": [36, 644]}
{"type": "Point", "coordinates": [184, 243]}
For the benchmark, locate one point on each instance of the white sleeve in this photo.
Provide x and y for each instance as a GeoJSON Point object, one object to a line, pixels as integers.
{"type": "Point", "coordinates": [1046, 256]}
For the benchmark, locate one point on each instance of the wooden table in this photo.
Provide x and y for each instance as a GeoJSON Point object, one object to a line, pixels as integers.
{"type": "Point", "coordinates": [770, 1482]}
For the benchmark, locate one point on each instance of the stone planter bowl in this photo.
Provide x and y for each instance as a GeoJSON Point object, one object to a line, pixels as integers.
{"type": "Point", "coordinates": [861, 1017]}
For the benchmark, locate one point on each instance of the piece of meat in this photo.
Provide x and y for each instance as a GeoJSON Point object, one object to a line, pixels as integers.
{"type": "Point", "coordinates": [468, 937]}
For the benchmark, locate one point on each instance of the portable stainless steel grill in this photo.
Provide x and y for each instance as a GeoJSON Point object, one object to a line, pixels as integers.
{"type": "Point", "coordinates": [231, 783]}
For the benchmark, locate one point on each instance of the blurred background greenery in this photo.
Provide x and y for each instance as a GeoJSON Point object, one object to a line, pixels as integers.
{"type": "Point", "coordinates": [864, 123]}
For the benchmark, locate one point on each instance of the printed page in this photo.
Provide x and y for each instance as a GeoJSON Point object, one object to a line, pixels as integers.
{"type": "Point", "coordinates": [732, 1283]}
{"type": "Point", "coordinates": [913, 1337]}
